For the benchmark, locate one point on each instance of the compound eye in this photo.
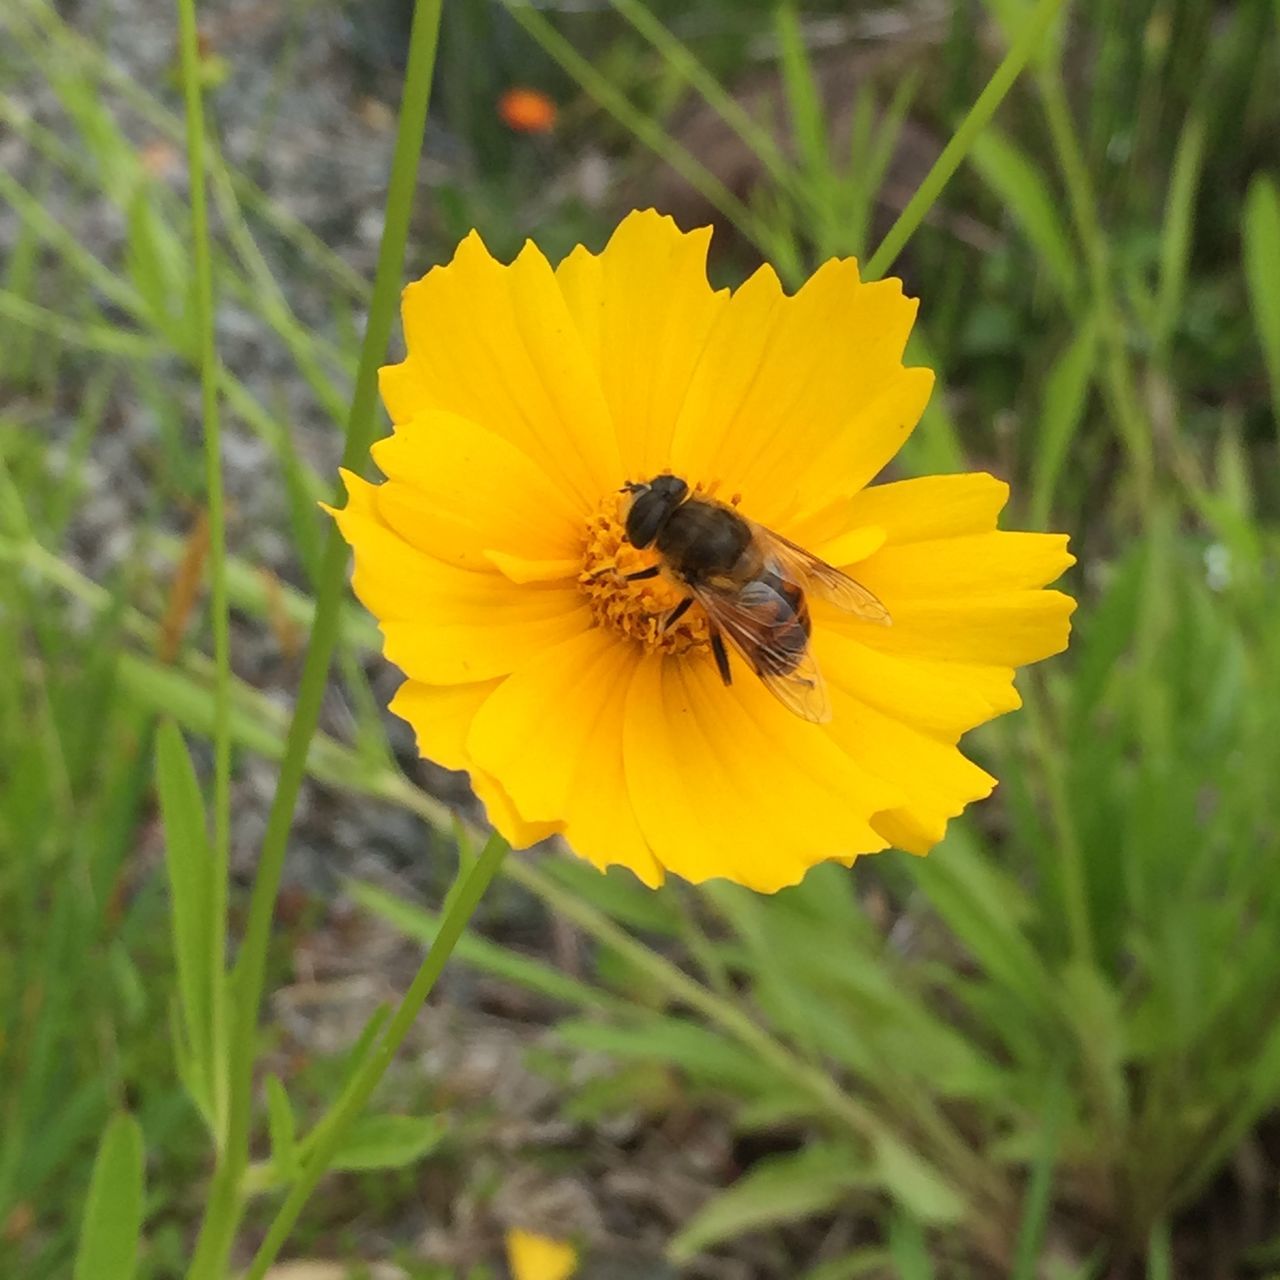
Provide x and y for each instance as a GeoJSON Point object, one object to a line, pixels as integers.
{"type": "Point", "coordinates": [645, 518]}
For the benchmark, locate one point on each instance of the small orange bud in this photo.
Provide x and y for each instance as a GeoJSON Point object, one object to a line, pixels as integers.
{"type": "Point", "coordinates": [527, 111]}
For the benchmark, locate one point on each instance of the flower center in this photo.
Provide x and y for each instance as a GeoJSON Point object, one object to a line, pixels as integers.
{"type": "Point", "coordinates": [635, 609]}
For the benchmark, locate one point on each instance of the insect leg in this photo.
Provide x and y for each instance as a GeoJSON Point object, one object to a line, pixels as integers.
{"type": "Point", "coordinates": [651, 572]}
{"type": "Point", "coordinates": [721, 656]}
{"type": "Point", "coordinates": [677, 613]}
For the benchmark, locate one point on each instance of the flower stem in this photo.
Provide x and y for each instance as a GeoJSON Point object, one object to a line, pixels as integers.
{"type": "Point", "coordinates": [225, 1195]}
{"type": "Point", "coordinates": [207, 352]}
{"type": "Point", "coordinates": [462, 901]}
{"type": "Point", "coordinates": [1020, 53]}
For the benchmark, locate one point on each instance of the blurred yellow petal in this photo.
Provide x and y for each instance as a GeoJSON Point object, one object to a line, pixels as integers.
{"type": "Point", "coordinates": [534, 1257]}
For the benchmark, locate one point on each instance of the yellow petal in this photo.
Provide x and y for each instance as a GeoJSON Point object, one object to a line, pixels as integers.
{"type": "Point", "coordinates": [456, 490]}
{"type": "Point", "coordinates": [937, 779]}
{"type": "Point", "coordinates": [496, 345]}
{"type": "Point", "coordinates": [799, 400]}
{"type": "Point", "coordinates": [930, 507]}
{"type": "Point", "coordinates": [441, 717]}
{"type": "Point", "coordinates": [1006, 630]}
{"type": "Point", "coordinates": [726, 782]}
{"type": "Point", "coordinates": [644, 310]}
{"type": "Point", "coordinates": [965, 566]}
{"type": "Point", "coordinates": [444, 625]}
{"type": "Point", "coordinates": [534, 1257]}
{"type": "Point", "coordinates": [553, 733]}
{"type": "Point", "coordinates": [521, 569]}
{"type": "Point", "coordinates": [944, 699]}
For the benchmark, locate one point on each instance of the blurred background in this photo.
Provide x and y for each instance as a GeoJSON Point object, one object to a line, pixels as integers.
{"type": "Point", "coordinates": [1052, 1049]}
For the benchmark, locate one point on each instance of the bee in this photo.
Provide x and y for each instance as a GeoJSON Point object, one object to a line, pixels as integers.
{"type": "Point", "coordinates": [750, 582]}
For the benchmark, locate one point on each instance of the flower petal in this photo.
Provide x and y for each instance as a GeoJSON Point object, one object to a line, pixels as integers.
{"type": "Point", "coordinates": [930, 506]}
{"type": "Point", "coordinates": [644, 309]}
{"type": "Point", "coordinates": [458, 491]}
{"type": "Point", "coordinates": [496, 345]}
{"type": "Point", "coordinates": [944, 699]}
{"type": "Point", "coordinates": [1005, 630]}
{"type": "Point", "coordinates": [553, 733]}
{"type": "Point", "coordinates": [726, 782]}
{"type": "Point", "coordinates": [937, 779]}
{"type": "Point", "coordinates": [441, 717]}
{"type": "Point", "coordinates": [964, 566]}
{"type": "Point", "coordinates": [800, 399]}
{"type": "Point", "coordinates": [473, 626]}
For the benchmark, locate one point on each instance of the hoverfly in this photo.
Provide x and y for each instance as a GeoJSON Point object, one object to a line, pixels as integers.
{"type": "Point", "coordinates": [750, 581]}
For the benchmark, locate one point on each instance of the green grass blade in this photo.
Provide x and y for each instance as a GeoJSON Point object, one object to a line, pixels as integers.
{"type": "Point", "coordinates": [1021, 188]}
{"type": "Point", "coordinates": [1038, 1197]}
{"type": "Point", "coordinates": [780, 1189]}
{"type": "Point", "coordinates": [1262, 272]}
{"type": "Point", "coordinates": [189, 863]}
{"type": "Point", "coordinates": [1023, 49]}
{"type": "Point", "coordinates": [909, 1248]}
{"type": "Point", "coordinates": [1175, 239]}
{"type": "Point", "coordinates": [202, 298]}
{"type": "Point", "coordinates": [804, 102]}
{"type": "Point", "coordinates": [112, 1226]}
{"type": "Point", "coordinates": [1066, 392]}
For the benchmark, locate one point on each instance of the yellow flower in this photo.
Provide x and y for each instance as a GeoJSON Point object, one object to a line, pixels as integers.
{"type": "Point", "coordinates": [532, 1257]}
{"type": "Point", "coordinates": [493, 557]}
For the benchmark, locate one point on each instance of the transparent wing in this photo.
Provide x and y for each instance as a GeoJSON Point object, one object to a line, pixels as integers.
{"type": "Point", "coordinates": [793, 678]}
{"type": "Point", "coordinates": [824, 580]}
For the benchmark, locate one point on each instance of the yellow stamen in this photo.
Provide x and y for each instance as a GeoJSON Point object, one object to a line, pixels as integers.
{"type": "Point", "coordinates": [634, 609]}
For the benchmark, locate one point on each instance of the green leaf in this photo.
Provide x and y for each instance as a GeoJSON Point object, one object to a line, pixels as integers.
{"type": "Point", "coordinates": [702, 1053]}
{"type": "Point", "coordinates": [779, 1189]}
{"type": "Point", "coordinates": [1017, 183]}
{"type": "Point", "coordinates": [1175, 240]}
{"type": "Point", "coordinates": [284, 1134]}
{"type": "Point", "coordinates": [914, 1184]}
{"type": "Point", "coordinates": [417, 922]}
{"type": "Point", "coordinates": [1066, 391]}
{"type": "Point", "coordinates": [157, 263]}
{"type": "Point", "coordinates": [909, 1248]}
{"type": "Point", "coordinates": [872, 1261]}
{"type": "Point", "coordinates": [1262, 271]}
{"type": "Point", "coordinates": [189, 864]}
{"type": "Point", "coordinates": [388, 1142]}
{"type": "Point", "coordinates": [804, 101]}
{"type": "Point", "coordinates": [108, 1248]}
{"type": "Point", "coordinates": [1038, 1196]}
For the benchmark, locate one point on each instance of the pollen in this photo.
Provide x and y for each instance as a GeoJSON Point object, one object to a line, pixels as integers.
{"type": "Point", "coordinates": [636, 610]}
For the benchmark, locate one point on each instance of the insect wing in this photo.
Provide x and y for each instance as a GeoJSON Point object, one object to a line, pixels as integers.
{"type": "Point", "coordinates": [823, 579]}
{"type": "Point", "coordinates": [794, 680]}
